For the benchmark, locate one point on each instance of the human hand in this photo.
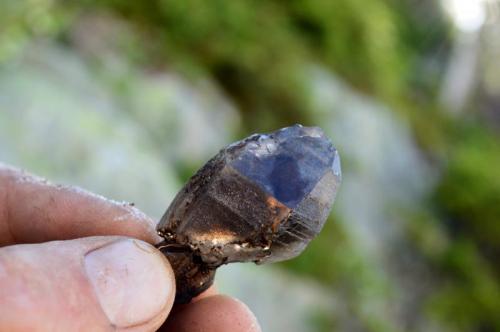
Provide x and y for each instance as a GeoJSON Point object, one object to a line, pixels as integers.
{"type": "Point", "coordinates": [74, 261]}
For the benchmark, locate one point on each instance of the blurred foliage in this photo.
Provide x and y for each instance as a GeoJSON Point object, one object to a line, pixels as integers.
{"type": "Point", "coordinates": [470, 190]}
{"type": "Point", "coordinates": [260, 53]}
{"type": "Point", "coordinates": [469, 200]}
{"type": "Point", "coordinates": [20, 21]}
{"type": "Point", "coordinates": [334, 259]}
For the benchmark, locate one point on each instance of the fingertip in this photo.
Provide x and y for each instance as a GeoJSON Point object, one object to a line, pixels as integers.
{"type": "Point", "coordinates": [133, 281]}
{"type": "Point", "coordinates": [93, 283]}
{"type": "Point", "coordinates": [213, 313]}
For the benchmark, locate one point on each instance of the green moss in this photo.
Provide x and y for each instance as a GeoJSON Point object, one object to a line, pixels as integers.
{"type": "Point", "coordinates": [470, 190]}
{"type": "Point", "coordinates": [469, 298]}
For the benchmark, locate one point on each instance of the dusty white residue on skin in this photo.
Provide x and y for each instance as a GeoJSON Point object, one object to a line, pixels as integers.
{"type": "Point", "coordinates": [123, 217]}
{"type": "Point", "coordinates": [84, 192]}
{"type": "Point", "coordinates": [23, 177]}
{"type": "Point", "coordinates": [131, 213]}
{"type": "Point", "coordinates": [120, 212]}
{"type": "Point", "coordinates": [5, 167]}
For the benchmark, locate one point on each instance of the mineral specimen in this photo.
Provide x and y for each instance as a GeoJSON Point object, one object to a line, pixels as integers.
{"type": "Point", "coordinates": [261, 199]}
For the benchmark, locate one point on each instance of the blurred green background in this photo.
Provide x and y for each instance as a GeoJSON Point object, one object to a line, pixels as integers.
{"type": "Point", "coordinates": [129, 98]}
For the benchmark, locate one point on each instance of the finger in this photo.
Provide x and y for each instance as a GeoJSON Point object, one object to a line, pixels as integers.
{"type": "Point", "coordinates": [33, 211]}
{"type": "Point", "coordinates": [90, 284]}
{"type": "Point", "coordinates": [216, 313]}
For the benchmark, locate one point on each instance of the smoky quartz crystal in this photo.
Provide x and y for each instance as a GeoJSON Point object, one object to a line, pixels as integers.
{"type": "Point", "coordinates": [262, 199]}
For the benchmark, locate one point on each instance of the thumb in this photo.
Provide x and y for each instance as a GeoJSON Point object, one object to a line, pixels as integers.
{"type": "Point", "coordinates": [88, 284]}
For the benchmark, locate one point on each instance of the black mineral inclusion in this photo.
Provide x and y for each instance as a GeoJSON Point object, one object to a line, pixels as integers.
{"type": "Point", "coordinates": [261, 199]}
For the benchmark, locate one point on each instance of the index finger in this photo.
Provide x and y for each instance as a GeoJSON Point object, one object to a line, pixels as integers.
{"type": "Point", "coordinates": [32, 210]}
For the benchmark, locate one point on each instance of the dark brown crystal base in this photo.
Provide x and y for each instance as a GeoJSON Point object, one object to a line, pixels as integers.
{"type": "Point", "coordinates": [192, 276]}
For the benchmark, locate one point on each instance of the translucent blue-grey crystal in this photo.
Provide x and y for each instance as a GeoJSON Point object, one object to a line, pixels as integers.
{"type": "Point", "coordinates": [288, 163]}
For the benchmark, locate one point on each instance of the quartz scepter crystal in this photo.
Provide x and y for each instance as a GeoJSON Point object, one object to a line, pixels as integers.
{"type": "Point", "coordinates": [261, 199]}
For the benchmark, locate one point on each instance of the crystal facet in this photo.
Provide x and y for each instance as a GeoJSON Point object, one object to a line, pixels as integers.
{"type": "Point", "coordinates": [261, 199]}
{"type": "Point", "coordinates": [288, 164]}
